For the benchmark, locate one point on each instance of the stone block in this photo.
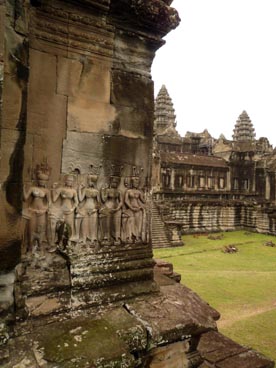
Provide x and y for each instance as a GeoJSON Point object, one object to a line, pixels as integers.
{"type": "Point", "coordinates": [84, 149]}
{"type": "Point", "coordinates": [6, 291]}
{"type": "Point", "coordinates": [247, 359]}
{"type": "Point", "coordinates": [170, 356]}
{"type": "Point", "coordinates": [132, 92]}
{"type": "Point", "coordinates": [28, 156]}
{"type": "Point", "coordinates": [42, 45]}
{"type": "Point", "coordinates": [215, 347]}
{"type": "Point", "coordinates": [94, 80]}
{"type": "Point", "coordinates": [132, 55]}
{"type": "Point", "coordinates": [68, 76]}
{"type": "Point", "coordinates": [11, 106]}
{"type": "Point", "coordinates": [174, 313]}
{"type": "Point", "coordinates": [43, 73]}
{"type": "Point", "coordinates": [42, 305]}
{"type": "Point", "coordinates": [134, 123]}
{"type": "Point", "coordinates": [2, 25]}
{"type": "Point", "coordinates": [47, 124]}
{"type": "Point", "coordinates": [87, 115]}
{"type": "Point", "coordinates": [10, 237]}
{"type": "Point", "coordinates": [84, 343]}
{"type": "Point", "coordinates": [9, 137]}
{"type": "Point", "coordinates": [222, 352]}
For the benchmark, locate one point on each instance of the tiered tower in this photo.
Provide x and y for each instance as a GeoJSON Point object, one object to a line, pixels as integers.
{"type": "Point", "coordinates": [244, 129]}
{"type": "Point", "coordinates": [164, 111]}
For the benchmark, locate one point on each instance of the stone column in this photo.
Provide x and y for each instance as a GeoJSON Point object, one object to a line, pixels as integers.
{"type": "Point", "coordinates": [172, 185]}
{"type": "Point", "coordinates": [267, 185]}
{"type": "Point", "coordinates": [254, 179]}
{"type": "Point", "coordinates": [228, 180]}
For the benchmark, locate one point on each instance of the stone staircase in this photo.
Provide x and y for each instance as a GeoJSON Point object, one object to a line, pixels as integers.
{"type": "Point", "coordinates": [160, 236]}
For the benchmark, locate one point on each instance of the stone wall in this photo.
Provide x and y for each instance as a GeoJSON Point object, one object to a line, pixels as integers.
{"type": "Point", "coordinates": [72, 83]}
{"type": "Point", "coordinates": [210, 216]}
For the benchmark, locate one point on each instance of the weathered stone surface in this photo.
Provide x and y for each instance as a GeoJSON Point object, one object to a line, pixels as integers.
{"type": "Point", "coordinates": [42, 285]}
{"type": "Point", "coordinates": [2, 25]}
{"type": "Point", "coordinates": [175, 313]}
{"type": "Point", "coordinates": [221, 352]}
{"type": "Point", "coordinates": [87, 115]}
{"type": "Point", "coordinates": [9, 237]}
{"type": "Point", "coordinates": [84, 342]}
{"type": "Point", "coordinates": [46, 110]}
{"type": "Point", "coordinates": [11, 107]}
{"type": "Point", "coordinates": [6, 291]}
{"type": "Point", "coordinates": [89, 108]}
{"type": "Point", "coordinates": [80, 150]}
{"type": "Point", "coordinates": [173, 355]}
{"type": "Point", "coordinates": [68, 76]}
{"type": "Point", "coordinates": [166, 269]}
{"type": "Point", "coordinates": [156, 16]}
{"type": "Point", "coordinates": [136, 93]}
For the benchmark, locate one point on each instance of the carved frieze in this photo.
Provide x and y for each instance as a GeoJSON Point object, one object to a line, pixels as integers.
{"type": "Point", "coordinates": [75, 30]}
{"type": "Point", "coordinates": [80, 211]}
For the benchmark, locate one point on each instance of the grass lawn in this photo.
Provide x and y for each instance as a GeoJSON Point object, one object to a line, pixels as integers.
{"type": "Point", "coordinates": [241, 286]}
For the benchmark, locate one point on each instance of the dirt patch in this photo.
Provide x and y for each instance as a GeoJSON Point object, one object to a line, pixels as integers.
{"type": "Point", "coordinates": [244, 315]}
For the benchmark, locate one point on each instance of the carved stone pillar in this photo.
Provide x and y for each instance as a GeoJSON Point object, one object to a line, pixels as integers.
{"type": "Point", "coordinates": [78, 74]}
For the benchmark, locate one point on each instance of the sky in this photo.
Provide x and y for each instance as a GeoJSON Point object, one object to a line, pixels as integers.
{"type": "Point", "coordinates": [220, 61]}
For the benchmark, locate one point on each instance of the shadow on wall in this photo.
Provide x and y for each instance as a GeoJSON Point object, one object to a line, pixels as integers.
{"type": "Point", "coordinates": [10, 239]}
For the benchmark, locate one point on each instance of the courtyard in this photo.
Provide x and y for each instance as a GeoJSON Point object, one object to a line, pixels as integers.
{"type": "Point", "coordinates": [241, 285]}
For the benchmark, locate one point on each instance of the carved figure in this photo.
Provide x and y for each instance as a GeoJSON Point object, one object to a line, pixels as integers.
{"type": "Point", "coordinates": [87, 212]}
{"type": "Point", "coordinates": [125, 231]}
{"type": "Point", "coordinates": [35, 215]}
{"type": "Point", "coordinates": [66, 200]}
{"type": "Point", "coordinates": [135, 202]}
{"type": "Point", "coordinates": [110, 213]}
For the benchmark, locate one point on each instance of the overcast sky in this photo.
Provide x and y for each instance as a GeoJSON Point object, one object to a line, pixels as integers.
{"type": "Point", "coordinates": [220, 61]}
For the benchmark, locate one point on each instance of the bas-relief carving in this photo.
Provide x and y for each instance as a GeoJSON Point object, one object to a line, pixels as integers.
{"type": "Point", "coordinates": [136, 212]}
{"type": "Point", "coordinates": [34, 214]}
{"type": "Point", "coordinates": [83, 213]}
{"type": "Point", "coordinates": [87, 211]}
{"type": "Point", "coordinates": [111, 212]}
{"type": "Point", "coordinates": [67, 199]}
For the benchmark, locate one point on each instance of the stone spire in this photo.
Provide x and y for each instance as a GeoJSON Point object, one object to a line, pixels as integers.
{"type": "Point", "coordinates": [244, 129]}
{"type": "Point", "coordinates": [164, 112]}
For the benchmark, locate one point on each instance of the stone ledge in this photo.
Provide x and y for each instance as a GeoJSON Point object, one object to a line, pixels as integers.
{"type": "Point", "coordinates": [174, 313]}
{"type": "Point", "coordinates": [221, 352]}
{"type": "Point", "coordinates": [155, 15]}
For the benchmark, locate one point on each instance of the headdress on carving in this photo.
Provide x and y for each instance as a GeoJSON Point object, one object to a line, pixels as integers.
{"type": "Point", "coordinates": [94, 170]}
{"type": "Point", "coordinates": [70, 177]}
{"type": "Point", "coordinates": [136, 175]}
{"type": "Point", "coordinates": [43, 170]}
{"type": "Point", "coordinates": [116, 171]}
{"type": "Point", "coordinates": [137, 171]}
{"type": "Point", "coordinates": [74, 169]}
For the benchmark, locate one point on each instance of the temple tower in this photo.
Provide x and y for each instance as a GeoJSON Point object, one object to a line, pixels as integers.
{"type": "Point", "coordinates": [164, 111]}
{"type": "Point", "coordinates": [244, 129]}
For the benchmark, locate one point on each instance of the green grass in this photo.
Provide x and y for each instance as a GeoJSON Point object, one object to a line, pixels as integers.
{"type": "Point", "coordinates": [241, 286]}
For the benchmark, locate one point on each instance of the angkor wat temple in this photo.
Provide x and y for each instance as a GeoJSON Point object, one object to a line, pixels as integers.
{"type": "Point", "coordinates": [205, 184]}
{"type": "Point", "coordinates": [78, 283]}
